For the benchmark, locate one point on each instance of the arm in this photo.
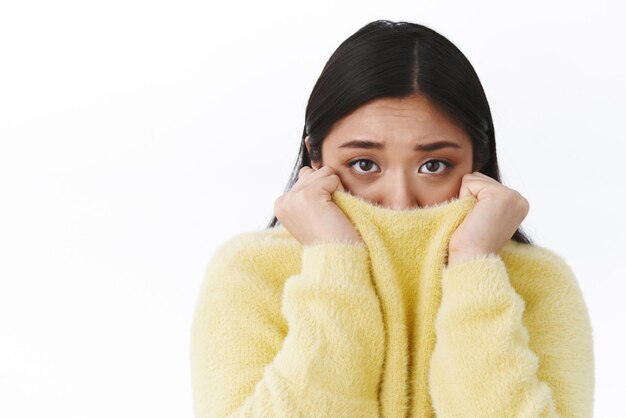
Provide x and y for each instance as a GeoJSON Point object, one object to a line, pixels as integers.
{"type": "Point", "coordinates": [484, 363]}
{"type": "Point", "coordinates": [328, 364]}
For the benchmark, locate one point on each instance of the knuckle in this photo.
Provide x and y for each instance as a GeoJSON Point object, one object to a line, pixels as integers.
{"type": "Point", "coordinates": [278, 205]}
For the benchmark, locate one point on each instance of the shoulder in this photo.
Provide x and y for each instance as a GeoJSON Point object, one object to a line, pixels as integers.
{"type": "Point", "coordinates": [264, 252]}
{"type": "Point", "coordinates": [532, 256]}
{"type": "Point", "coordinates": [537, 267]}
{"type": "Point", "coordinates": [253, 244]}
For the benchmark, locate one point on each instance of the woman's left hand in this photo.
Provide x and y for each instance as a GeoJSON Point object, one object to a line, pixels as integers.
{"type": "Point", "coordinates": [492, 221]}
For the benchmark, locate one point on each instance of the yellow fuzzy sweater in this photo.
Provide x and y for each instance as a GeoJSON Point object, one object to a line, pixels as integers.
{"type": "Point", "coordinates": [386, 328]}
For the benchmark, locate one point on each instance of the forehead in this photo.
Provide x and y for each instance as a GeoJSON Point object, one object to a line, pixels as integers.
{"type": "Point", "coordinates": [409, 119]}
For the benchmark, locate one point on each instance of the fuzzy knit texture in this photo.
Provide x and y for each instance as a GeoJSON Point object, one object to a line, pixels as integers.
{"type": "Point", "coordinates": [385, 328]}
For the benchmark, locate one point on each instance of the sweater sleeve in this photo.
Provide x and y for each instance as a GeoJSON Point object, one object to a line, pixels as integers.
{"type": "Point", "coordinates": [483, 365]}
{"type": "Point", "coordinates": [327, 364]}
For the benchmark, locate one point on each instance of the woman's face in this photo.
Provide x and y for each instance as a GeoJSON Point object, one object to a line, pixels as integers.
{"type": "Point", "coordinates": [373, 151]}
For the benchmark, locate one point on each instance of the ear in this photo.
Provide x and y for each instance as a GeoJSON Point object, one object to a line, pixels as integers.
{"type": "Point", "coordinates": [315, 165]}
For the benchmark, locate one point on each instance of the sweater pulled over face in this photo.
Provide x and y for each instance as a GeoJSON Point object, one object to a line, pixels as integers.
{"type": "Point", "coordinates": [385, 328]}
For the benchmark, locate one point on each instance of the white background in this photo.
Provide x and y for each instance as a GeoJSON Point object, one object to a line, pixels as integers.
{"type": "Point", "coordinates": [136, 136]}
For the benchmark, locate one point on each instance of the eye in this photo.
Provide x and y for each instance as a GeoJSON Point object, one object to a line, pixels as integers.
{"type": "Point", "coordinates": [363, 164]}
{"type": "Point", "coordinates": [437, 163]}
{"type": "Point", "coordinates": [366, 164]}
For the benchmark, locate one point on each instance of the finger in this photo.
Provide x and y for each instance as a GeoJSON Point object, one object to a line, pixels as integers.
{"type": "Point", "coordinates": [302, 174]}
{"type": "Point", "coordinates": [332, 173]}
{"type": "Point", "coordinates": [484, 177]}
{"type": "Point", "coordinates": [309, 175]}
{"type": "Point", "coordinates": [472, 185]}
{"type": "Point", "coordinates": [325, 186]}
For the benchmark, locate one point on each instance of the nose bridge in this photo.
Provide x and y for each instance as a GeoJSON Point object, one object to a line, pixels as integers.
{"type": "Point", "coordinates": [399, 193]}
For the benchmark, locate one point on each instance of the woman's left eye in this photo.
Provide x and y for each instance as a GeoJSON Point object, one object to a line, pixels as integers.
{"type": "Point", "coordinates": [440, 163]}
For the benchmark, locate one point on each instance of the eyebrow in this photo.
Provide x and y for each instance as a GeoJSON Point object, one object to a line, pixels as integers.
{"type": "Point", "coordinates": [433, 146]}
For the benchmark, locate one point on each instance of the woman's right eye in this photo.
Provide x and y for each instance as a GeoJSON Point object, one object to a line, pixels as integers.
{"type": "Point", "coordinates": [363, 164]}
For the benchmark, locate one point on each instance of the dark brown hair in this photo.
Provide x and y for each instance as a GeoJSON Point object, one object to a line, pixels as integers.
{"type": "Point", "coordinates": [397, 60]}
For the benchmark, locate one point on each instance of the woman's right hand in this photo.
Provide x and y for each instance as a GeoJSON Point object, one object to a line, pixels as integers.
{"type": "Point", "coordinates": [308, 212]}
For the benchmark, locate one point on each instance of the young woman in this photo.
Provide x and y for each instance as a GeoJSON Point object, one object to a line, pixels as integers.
{"type": "Point", "coordinates": [399, 282]}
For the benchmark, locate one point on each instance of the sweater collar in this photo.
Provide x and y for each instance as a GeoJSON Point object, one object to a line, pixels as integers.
{"type": "Point", "coordinates": [424, 230]}
{"type": "Point", "coordinates": [413, 228]}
